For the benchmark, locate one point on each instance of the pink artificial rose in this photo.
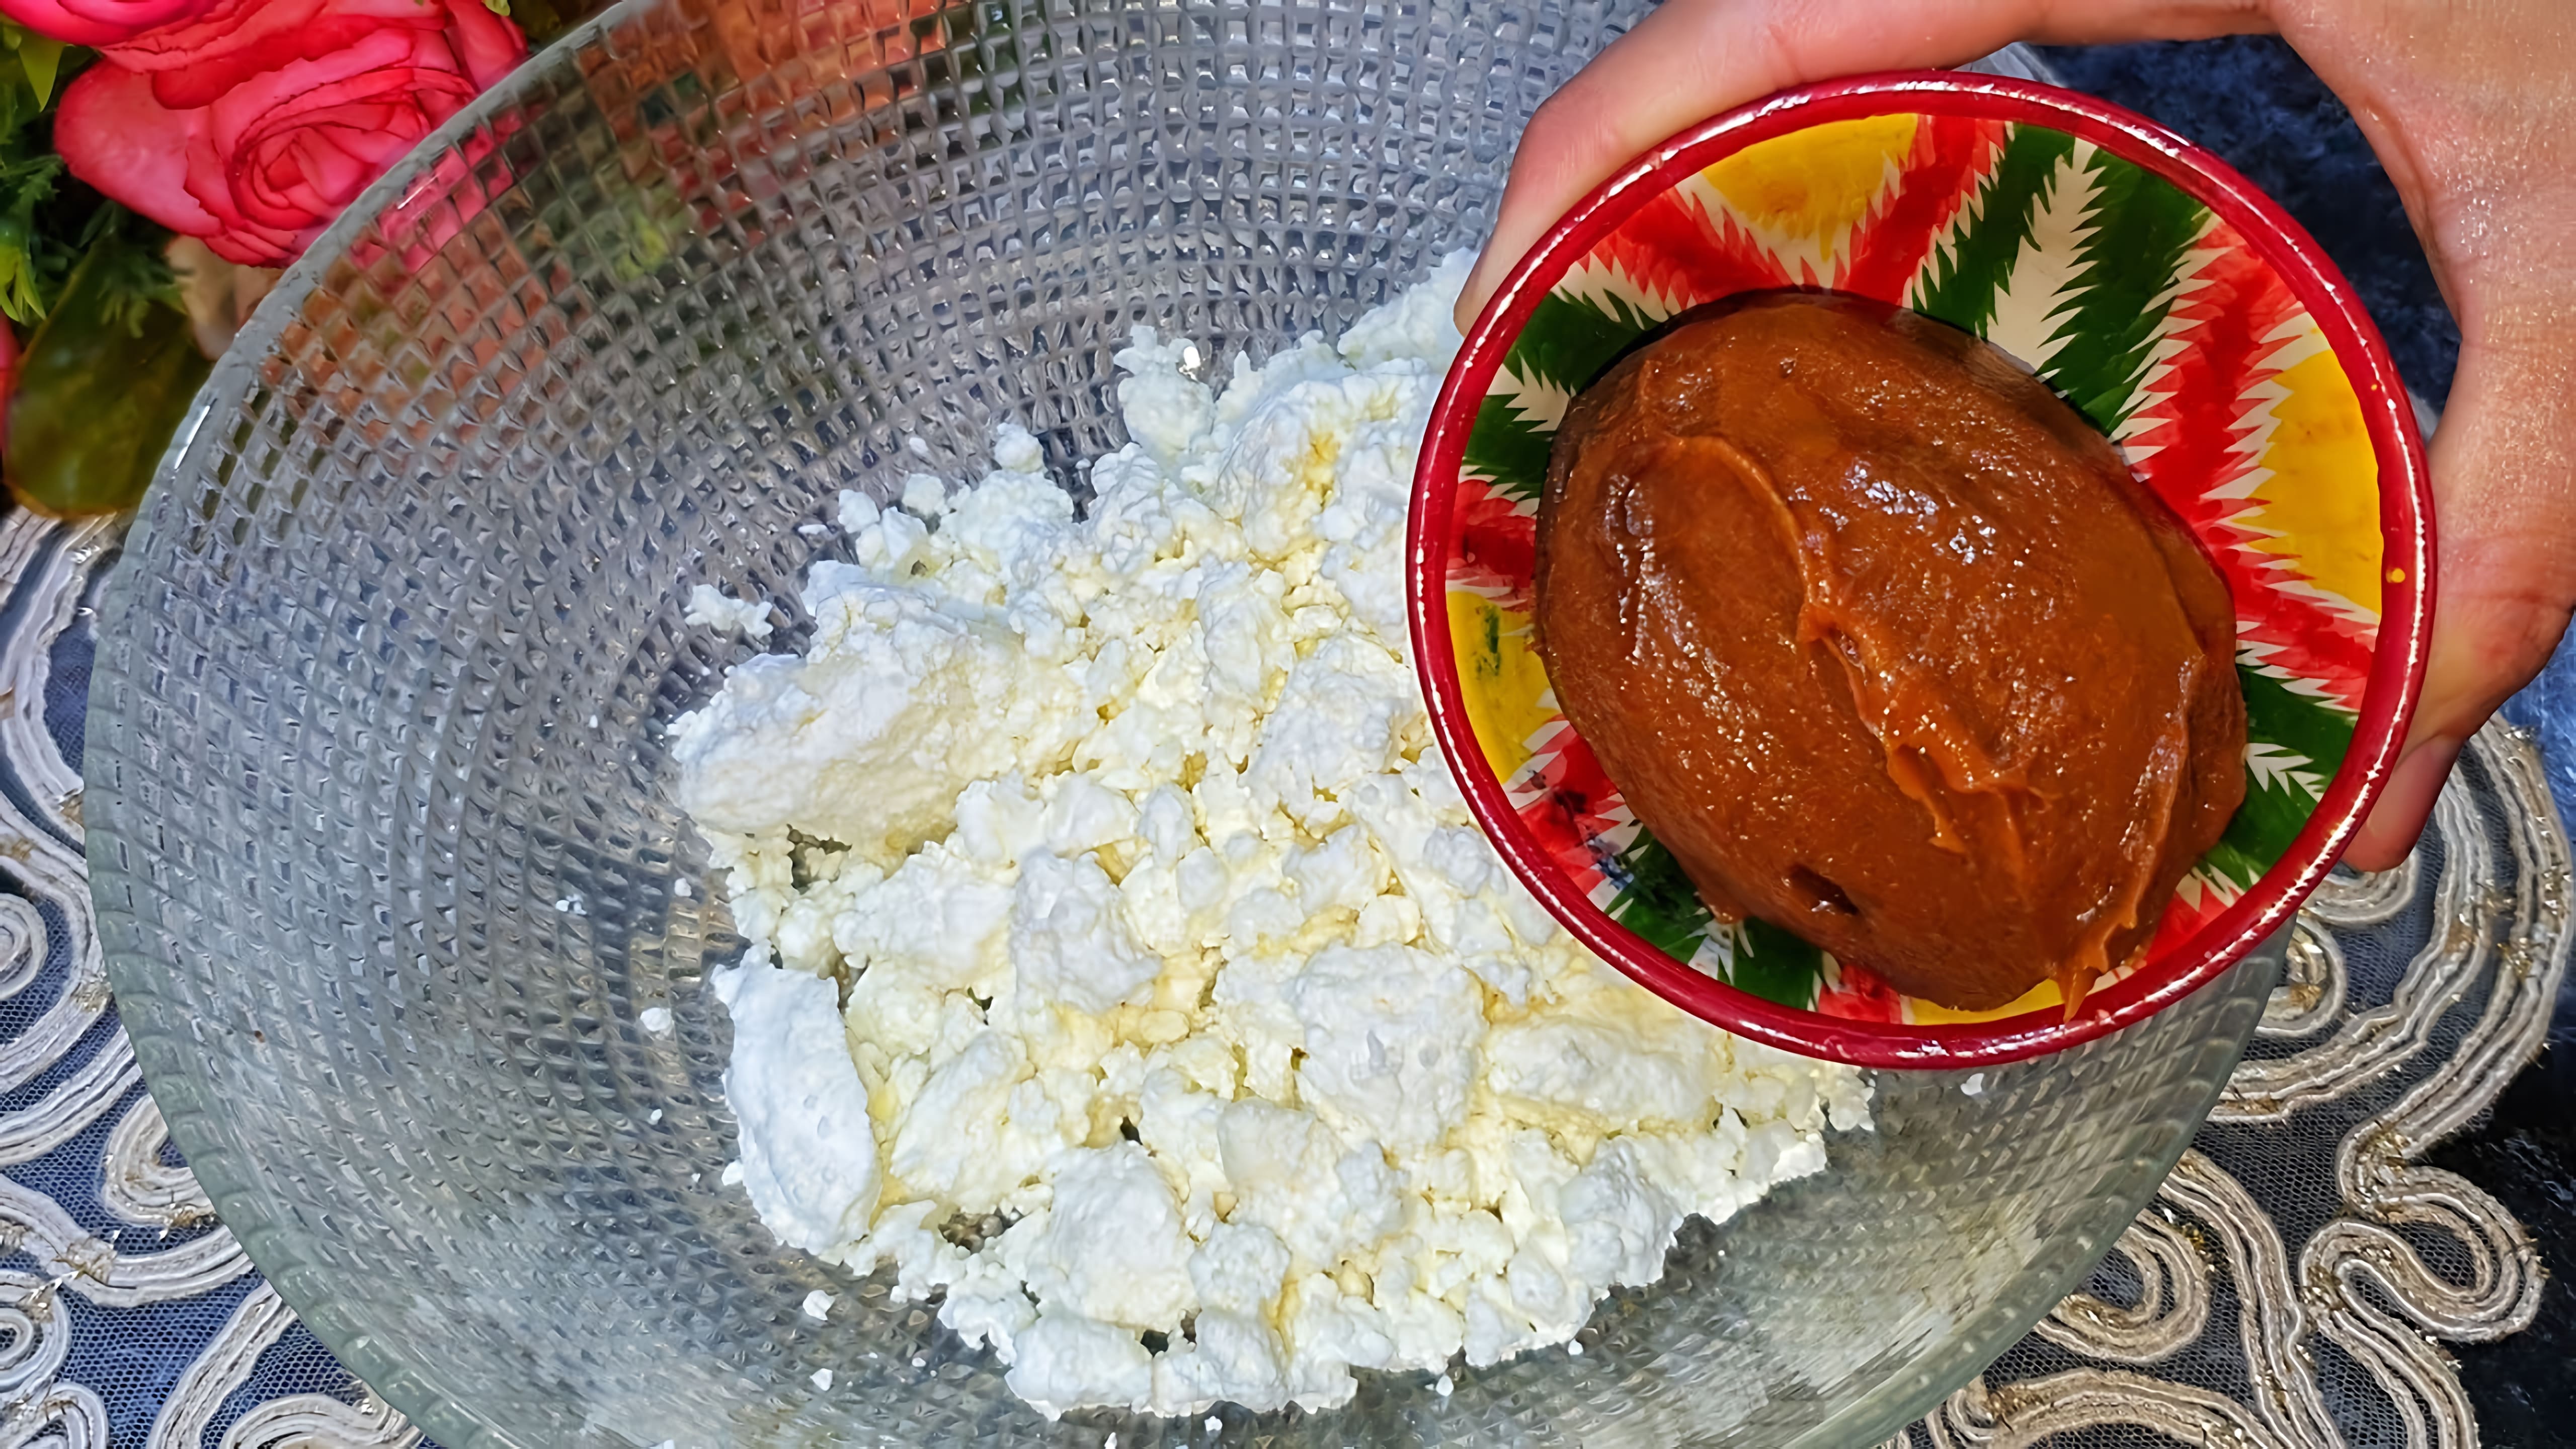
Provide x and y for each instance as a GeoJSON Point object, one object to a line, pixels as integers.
{"type": "Point", "coordinates": [284, 124]}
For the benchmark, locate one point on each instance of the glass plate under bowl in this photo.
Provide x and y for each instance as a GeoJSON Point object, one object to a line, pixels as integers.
{"type": "Point", "coordinates": [381, 833]}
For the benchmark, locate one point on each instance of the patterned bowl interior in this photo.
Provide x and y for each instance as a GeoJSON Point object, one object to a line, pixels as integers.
{"type": "Point", "coordinates": [2161, 320]}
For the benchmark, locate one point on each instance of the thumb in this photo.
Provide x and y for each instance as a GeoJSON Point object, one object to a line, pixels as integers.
{"type": "Point", "coordinates": [2504, 485]}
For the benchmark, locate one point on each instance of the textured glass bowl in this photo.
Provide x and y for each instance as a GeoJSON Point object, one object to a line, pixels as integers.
{"type": "Point", "coordinates": [381, 831]}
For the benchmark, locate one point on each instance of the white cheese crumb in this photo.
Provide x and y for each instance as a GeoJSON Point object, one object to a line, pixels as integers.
{"type": "Point", "coordinates": [655, 1019]}
{"type": "Point", "coordinates": [732, 1174]}
{"type": "Point", "coordinates": [1282, 1053]}
{"type": "Point", "coordinates": [817, 1304]}
{"type": "Point", "coordinates": [857, 511]}
{"type": "Point", "coordinates": [680, 887]}
{"type": "Point", "coordinates": [1443, 1386]}
{"type": "Point", "coordinates": [654, 1116]}
{"type": "Point", "coordinates": [711, 608]}
{"type": "Point", "coordinates": [1975, 1085]}
{"type": "Point", "coordinates": [923, 495]}
{"type": "Point", "coordinates": [1016, 450]}
{"type": "Point", "coordinates": [823, 1379]}
{"type": "Point", "coordinates": [809, 1156]}
{"type": "Point", "coordinates": [1215, 1425]}
{"type": "Point", "coordinates": [1574, 1348]}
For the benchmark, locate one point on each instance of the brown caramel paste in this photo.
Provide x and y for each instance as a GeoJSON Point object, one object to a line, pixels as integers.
{"type": "Point", "coordinates": [1884, 642]}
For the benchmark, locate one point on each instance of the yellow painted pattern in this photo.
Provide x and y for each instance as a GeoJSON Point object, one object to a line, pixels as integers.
{"type": "Point", "coordinates": [1500, 678]}
{"type": "Point", "coordinates": [2043, 997]}
{"type": "Point", "coordinates": [2322, 498]}
{"type": "Point", "coordinates": [1817, 183]}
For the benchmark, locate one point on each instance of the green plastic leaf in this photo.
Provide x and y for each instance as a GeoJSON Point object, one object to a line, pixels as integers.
{"type": "Point", "coordinates": [28, 266]}
{"type": "Point", "coordinates": [542, 20]}
{"type": "Point", "coordinates": [96, 403]}
{"type": "Point", "coordinates": [41, 57]}
{"type": "Point", "coordinates": [132, 276]}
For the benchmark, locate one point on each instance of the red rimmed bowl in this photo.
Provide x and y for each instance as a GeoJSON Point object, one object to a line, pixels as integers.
{"type": "Point", "coordinates": [2153, 287]}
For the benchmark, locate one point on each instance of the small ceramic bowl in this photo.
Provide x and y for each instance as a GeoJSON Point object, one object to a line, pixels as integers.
{"type": "Point", "coordinates": [2157, 291]}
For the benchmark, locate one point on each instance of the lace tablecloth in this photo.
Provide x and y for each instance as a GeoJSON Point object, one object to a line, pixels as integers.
{"type": "Point", "coordinates": [2292, 1285]}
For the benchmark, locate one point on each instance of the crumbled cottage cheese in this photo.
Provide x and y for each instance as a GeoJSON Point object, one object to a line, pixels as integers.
{"type": "Point", "coordinates": [1101, 873]}
{"type": "Point", "coordinates": [710, 607]}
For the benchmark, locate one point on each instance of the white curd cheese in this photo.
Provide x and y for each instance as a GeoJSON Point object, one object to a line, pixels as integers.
{"type": "Point", "coordinates": [1157, 926]}
{"type": "Point", "coordinates": [809, 1152]}
{"type": "Point", "coordinates": [711, 608]}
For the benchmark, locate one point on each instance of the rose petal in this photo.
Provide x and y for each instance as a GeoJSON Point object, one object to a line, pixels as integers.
{"type": "Point", "coordinates": [115, 136]}
{"type": "Point", "coordinates": [261, 102]}
{"type": "Point", "coordinates": [488, 46]}
{"type": "Point", "coordinates": [139, 14]}
{"type": "Point", "coordinates": [47, 18]}
{"type": "Point", "coordinates": [99, 22]}
{"type": "Point", "coordinates": [193, 64]}
{"type": "Point", "coordinates": [238, 238]}
{"type": "Point", "coordinates": [240, 108]}
{"type": "Point", "coordinates": [375, 117]}
{"type": "Point", "coordinates": [235, 25]}
{"type": "Point", "coordinates": [257, 250]}
{"type": "Point", "coordinates": [205, 77]}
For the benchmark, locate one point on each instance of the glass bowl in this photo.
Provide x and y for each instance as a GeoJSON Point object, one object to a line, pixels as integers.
{"type": "Point", "coordinates": [391, 884]}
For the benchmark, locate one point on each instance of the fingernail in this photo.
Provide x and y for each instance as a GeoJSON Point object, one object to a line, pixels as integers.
{"type": "Point", "coordinates": [2405, 803]}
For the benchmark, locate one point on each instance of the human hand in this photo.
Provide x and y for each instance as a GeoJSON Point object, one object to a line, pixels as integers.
{"type": "Point", "coordinates": [2472, 109]}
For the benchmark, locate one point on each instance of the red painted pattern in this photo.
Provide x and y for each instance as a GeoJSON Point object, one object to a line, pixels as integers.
{"type": "Point", "coordinates": [1860, 996]}
{"type": "Point", "coordinates": [2222, 326]}
{"type": "Point", "coordinates": [2183, 919]}
{"type": "Point", "coordinates": [1496, 550]}
{"type": "Point", "coordinates": [1951, 159]}
{"type": "Point", "coordinates": [1687, 253]}
{"type": "Point", "coordinates": [1576, 804]}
